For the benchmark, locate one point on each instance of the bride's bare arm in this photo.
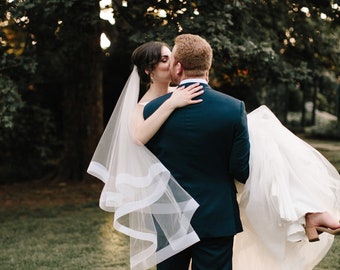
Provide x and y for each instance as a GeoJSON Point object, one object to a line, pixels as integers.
{"type": "Point", "coordinates": [144, 129]}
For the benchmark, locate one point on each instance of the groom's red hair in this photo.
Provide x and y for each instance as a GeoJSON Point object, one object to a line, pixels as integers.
{"type": "Point", "coordinates": [194, 53]}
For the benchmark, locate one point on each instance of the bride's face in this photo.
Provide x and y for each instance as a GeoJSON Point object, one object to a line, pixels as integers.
{"type": "Point", "coordinates": [161, 72]}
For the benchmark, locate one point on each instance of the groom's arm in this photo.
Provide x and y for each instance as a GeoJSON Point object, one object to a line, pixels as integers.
{"type": "Point", "coordinates": [239, 160]}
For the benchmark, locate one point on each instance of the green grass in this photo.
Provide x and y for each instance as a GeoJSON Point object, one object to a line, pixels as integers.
{"type": "Point", "coordinates": [332, 261]}
{"type": "Point", "coordinates": [72, 237]}
{"type": "Point", "coordinates": [69, 237]}
{"type": "Point", "coordinates": [75, 237]}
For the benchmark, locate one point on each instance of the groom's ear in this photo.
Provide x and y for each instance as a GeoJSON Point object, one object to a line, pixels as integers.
{"type": "Point", "coordinates": [179, 68]}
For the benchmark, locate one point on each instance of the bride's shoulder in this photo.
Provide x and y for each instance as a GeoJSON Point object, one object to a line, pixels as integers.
{"type": "Point", "coordinates": [143, 103]}
{"type": "Point", "coordinates": [144, 100]}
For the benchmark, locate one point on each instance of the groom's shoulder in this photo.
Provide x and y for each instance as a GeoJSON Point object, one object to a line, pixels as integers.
{"type": "Point", "coordinates": [219, 95]}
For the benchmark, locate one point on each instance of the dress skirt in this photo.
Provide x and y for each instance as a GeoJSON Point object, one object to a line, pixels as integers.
{"type": "Point", "coordinates": [288, 178]}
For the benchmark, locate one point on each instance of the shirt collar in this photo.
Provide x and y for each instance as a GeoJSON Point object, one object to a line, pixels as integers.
{"type": "Point", "coordinates": [193, 80]}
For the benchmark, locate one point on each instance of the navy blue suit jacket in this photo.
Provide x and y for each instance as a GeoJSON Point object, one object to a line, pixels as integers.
{"type": "Point", "coordinates": [205, 146]}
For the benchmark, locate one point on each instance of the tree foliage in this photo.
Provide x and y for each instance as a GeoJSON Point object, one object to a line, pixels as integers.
{"type": "Point", "coordinates": [263, 50]}
{"type": "Point", "coordinates": [278, 53]}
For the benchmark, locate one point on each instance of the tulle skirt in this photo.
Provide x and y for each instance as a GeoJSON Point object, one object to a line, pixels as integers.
{"type": "Point", "coordinates": [288, 178]}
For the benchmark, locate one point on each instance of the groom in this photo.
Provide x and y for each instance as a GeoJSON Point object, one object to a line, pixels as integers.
{"type": "Point", "coordinates": [205, 146]}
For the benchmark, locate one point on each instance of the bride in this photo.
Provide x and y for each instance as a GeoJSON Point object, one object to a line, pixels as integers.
{"type": "Point", "coordinates": [290, 197]}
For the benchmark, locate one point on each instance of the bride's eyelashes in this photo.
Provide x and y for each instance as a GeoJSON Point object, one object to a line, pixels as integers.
{"type": "Point", "coordinates": [165, 59]}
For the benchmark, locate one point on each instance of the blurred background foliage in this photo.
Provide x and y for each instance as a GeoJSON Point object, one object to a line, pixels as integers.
{"type": "Point", "coordinates": [59, 79]}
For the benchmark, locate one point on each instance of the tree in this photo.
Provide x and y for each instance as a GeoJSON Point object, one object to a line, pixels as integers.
{"type": "Point", "coordinates": [265, 52]}
{"type": "Point", "coordinates": [65, 38]}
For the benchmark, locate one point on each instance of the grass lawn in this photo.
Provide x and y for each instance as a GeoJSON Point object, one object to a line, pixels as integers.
{"type": "Point", "coordinates": [53, 225]}
{"type": "Point", "coordinates": [75, 237]}
{"type": "Point", "coordinates": [332, 260]}
{"type": "Point", "coordinates": [66, 237]}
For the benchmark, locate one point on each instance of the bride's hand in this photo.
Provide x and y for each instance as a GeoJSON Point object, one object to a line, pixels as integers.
{"type": "Point", "coordinates": [184, 96]}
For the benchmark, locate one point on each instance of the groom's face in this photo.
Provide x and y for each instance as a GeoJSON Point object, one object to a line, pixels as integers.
{"type": "Point", "coordinates": [174, 72]}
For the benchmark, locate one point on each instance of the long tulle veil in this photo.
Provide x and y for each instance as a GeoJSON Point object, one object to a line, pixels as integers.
{"type": "Point", "coordinates": [149, 205]}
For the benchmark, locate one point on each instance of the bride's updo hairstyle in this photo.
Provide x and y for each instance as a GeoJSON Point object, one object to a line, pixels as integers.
{"type": "Point", "coordinates": [145, 57]}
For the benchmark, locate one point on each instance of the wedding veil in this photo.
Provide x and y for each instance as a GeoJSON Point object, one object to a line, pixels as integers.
{"type": "Point", "coordinates": [149, 205]}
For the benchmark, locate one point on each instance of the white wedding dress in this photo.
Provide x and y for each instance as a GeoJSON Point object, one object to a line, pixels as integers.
{"type": "Point", "coordinates": [288, 178]}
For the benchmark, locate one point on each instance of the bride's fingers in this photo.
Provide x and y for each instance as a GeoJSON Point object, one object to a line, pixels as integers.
{"type": "Point", "coordinates": [194, 88]}
{"type": "Point", "coordinates": [194, 101]}
{"type": "Point", "coordinates": [183, 96]}
{"type": "Point", "coordinates": [196, 93]}
{"type": "Point", "coordinates": [191, 88]}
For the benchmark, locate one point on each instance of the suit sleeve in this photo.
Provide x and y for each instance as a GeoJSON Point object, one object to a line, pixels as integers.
{"type": "Point", "coordinates": [239, 160]}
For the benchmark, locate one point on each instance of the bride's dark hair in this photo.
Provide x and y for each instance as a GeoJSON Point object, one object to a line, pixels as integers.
{"type": "Point", "coordinates": [145, 57]}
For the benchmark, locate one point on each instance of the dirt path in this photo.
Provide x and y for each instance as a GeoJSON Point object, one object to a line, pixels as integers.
{"type": "Point", "coordinates": [40, 193]}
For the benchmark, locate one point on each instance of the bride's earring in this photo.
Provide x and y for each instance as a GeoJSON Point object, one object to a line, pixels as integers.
{"type": "Point", "coordinates": [147, 72]}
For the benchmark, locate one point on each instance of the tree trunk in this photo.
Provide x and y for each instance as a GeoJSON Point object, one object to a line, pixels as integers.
{"type": "Point", "coordinates": [303, 109]}
{"type": "Point", "coordinates": [82, 100]}
{"type": "Point", "coordinates": [315, 93]}
{"type": "Point", "coordinates": [337, 105]}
